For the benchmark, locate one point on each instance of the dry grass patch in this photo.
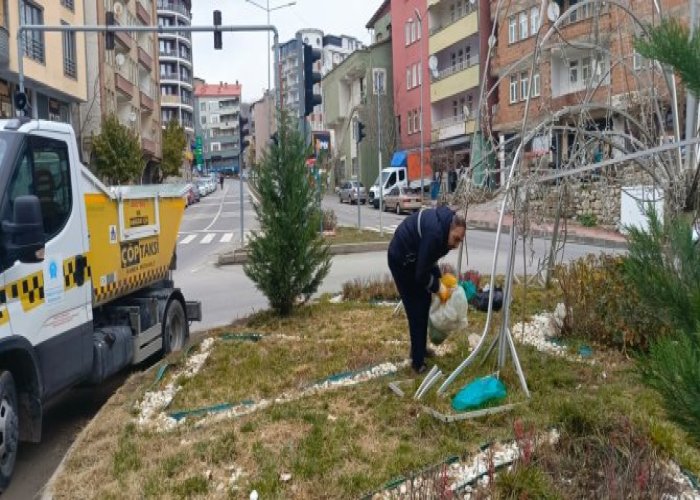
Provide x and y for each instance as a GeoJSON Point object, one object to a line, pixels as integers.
{"type": "Point", "coordinates": [353, 235]}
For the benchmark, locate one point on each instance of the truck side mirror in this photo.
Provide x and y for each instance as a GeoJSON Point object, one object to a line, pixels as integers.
{"type": "Point", "coordinates": [24, 237]}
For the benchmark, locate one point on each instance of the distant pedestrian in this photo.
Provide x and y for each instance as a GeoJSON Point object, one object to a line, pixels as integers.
{"type": "Point", "coordinates": [418, 243]}
{"type": "Point", "coordinates": [221, 180]}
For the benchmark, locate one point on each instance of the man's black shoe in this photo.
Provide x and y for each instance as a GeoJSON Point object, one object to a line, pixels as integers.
{"type": "Point", "coordinates": [420, 370]}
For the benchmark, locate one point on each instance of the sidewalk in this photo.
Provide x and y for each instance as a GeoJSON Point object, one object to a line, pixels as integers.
{"type": "Point", "coordinates": [486, 219]}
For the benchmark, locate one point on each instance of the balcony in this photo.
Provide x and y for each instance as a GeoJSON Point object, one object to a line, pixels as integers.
{"type": "Point", "coordinates": [454, 80]}
{"type": "Point", "coordinates": [171, 75]}
{"type": "Point", "coordinates": [143, 12]}
{"type": "Point", "coordinates": [123, 85]}
{"type": "Point", "coordinates": [444, 36]}
{"type": "Point", "coordinates": [449, 128]}
{"type": "Point", "coordinates": [170, 100]}
{"type": "Point", "coordinates": [124, 39]}
{"type": "Point", "coordinates": [178, 8]}
{"type": "Point", "coordinates": [145, 59]}
{"type": "Point", "coordinates": [147, 103]}
{"type": "Point", "coordinates": [4, 48]}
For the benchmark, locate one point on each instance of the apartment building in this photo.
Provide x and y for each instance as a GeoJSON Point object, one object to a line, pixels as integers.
{"type": "Point", "coordinates": [589, 59]}
{"type": "Point", "coordinates": [334, 49]}
{"type": "Point", "coordinates": [54, 63]}
{"type": "Point", "coordinates": [217, 111]}
{"type": "Point", "coordinates": [263, 123]}
{"type": "Point", "coordinates": [123, 81]}
{"type": "Point", "coordinates": [175, 59]}
{"type": "Point", "coordinates": [455, 74]}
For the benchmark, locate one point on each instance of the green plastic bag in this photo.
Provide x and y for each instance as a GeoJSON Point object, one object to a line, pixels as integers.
{"type": "Point", "coordinates": [478, 392]}
{"type": "Point", "coordinates": [437, 337]}
{"type": "Point", "coordinates": [469, 289]}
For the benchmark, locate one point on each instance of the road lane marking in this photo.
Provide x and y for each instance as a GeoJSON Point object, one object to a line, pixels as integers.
{"type": "Point", "coordinates": [227, 238]}
{"type": "Point", "coordinates": [188, 239]}
{"type": "Point", "coordinates": [207, 239]}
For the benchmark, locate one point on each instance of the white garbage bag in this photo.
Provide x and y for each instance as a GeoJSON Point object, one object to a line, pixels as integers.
{"type": "Point", "coordinates": [448, 317]}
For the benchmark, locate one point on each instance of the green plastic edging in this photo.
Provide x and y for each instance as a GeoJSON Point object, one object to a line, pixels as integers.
{"type": "Point", "coordinates": [179, 415]}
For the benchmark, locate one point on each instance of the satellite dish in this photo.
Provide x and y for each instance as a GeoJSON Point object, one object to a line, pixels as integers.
{"type": "Point", "coordinates": [492, 41]}
{"type": "Point", "coordinates": [132, 117]}
{"type": "Point", "coordinates": [120, 60]}
{"type": "Point", "coordinates": [433, 63]}
{"type": "Point", "coordinates": [466, 112]}
{"type": "Point", "coordinates": [118, 9]}
{"type": "Point", "coordinates": [553, 11]}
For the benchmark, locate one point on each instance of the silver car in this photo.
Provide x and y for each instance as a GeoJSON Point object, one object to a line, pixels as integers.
{"type": "Point", "coordinates": [348, 192]}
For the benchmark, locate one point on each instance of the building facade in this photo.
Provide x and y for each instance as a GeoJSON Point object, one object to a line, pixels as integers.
{"type": "Point", "coordinates": [590, 59]}
{"type": "Point", "coordinates": [334, 49]}
{"type": "Point", "coordinates": [361, 88]}
{"type": "Point", "coordinates": [54, 63]}
{"type": "Point", "coordinates": [175, 58]}
{"type": "Point", "coordinates": [217, 111]}
{"type": "Point", "coordinates": [264, 121]}
{"type": "Point", "coordinates": [410, 46]}
{"type": "Point", "coordinates": [123, 81]}
{"type": "Point", "coordinates": [453, 62]}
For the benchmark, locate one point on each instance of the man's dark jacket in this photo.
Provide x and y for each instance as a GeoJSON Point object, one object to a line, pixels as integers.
{"type": "Point", "coordinates": [419, 252]}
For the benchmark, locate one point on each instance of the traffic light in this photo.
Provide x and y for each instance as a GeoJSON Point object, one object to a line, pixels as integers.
{"type": "Point", "coordinates": [217, 33]}
{"type": "Point", "coordinates": [360, 131]}
{"type": "Point", "coordinates": [244, 132]}
{"type": "Point", "coordinates": [109, 37]}
{"type": "Point", "coordinates": [20, 101]}
{"type": "Point", "coordinates": [311, 78]}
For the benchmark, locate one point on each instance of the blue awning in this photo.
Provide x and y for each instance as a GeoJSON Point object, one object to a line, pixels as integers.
{"type": "Point", "coordinates": [399, 159]}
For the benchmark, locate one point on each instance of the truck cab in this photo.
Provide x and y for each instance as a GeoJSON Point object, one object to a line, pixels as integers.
{"type": "Point", "coordinates": [64, 320]}
{"type": "Point", "coordinates": [405, 172]}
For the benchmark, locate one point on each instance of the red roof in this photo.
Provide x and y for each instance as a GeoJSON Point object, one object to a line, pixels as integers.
{"type": "Point", "coordinates": [222, 89]}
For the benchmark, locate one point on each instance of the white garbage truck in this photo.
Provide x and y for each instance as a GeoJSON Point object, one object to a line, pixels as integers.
{"type": "Point", "coordinates": [85, 276]}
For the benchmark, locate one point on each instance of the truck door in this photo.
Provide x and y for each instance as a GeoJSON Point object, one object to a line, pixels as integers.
{"type": "Point", "coordinates": [48, 302]}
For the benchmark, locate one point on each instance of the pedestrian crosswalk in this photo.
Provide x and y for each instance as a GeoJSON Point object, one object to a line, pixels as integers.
{"type": "Point", "coordinates": [205, 238]}
{"type": "Point", "coordinates": [388, 229]}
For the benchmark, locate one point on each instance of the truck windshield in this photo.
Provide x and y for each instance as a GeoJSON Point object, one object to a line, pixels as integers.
{"type": "Point", "coordinates": [8, 142]}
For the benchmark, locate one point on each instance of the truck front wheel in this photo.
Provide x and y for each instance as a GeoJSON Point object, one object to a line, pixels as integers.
{"type": "Point", "coordinates": [175, 328]}
{"type": "Point", "coordinates": [9, 428]}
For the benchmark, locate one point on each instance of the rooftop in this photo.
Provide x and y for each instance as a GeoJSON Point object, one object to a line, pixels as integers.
{"type": "Point", "coordinates": [222, 89]}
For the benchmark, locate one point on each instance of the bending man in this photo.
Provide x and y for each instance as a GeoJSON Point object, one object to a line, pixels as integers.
{"type": "Point", "coordinates": [419, 242]}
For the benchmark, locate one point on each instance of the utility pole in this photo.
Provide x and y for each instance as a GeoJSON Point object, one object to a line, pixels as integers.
{"type": "Point", "coordinates": [420, 76]}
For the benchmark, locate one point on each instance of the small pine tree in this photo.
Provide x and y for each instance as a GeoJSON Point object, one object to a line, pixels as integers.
{"type": "Point", "coordinates": [288, 256]}
{"type": "Point", "coordinates": [174, 144]}
{"type": "Point", "coordinates": [117, 153]}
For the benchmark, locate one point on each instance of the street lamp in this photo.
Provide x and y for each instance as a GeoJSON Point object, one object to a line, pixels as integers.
{"type": "Point", "coordinates": [267, 9]}
{"type": "Point", "coordinates": [420, 33]}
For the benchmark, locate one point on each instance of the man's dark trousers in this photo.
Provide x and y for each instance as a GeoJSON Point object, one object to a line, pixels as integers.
{"type": "Point", "coordinates": [416, 302]}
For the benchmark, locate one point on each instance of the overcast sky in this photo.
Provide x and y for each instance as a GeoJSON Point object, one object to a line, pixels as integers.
{"type": "Point", "coordinates": [244, 58]}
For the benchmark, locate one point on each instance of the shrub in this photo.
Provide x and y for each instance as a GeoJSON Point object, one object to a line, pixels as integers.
{"type": "Point", "coordinates": [374, 288]}
{"type": "Point", "coordinates": [330, 220]}
{"type": "Point", "coordinates": [602, 307]}
{"type": "Point", "coordinates": [588, 220]}
{"type": "Point", "coordinates": [663, 267]}
{"type": "Point", "coordinates": [672, 367]}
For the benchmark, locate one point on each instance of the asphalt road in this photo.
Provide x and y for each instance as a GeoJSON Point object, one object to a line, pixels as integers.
{"type": "Point", "coordinates": [209, 228]}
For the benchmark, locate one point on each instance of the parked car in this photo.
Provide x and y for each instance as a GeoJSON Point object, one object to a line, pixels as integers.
{"type": "Point", "coordinates": [402, 199]}
{"type": "Point", "coordinates": [202, 186]}
{"type": "Point", "coordinates": [348, 192]}
{"type": "Point", "coordinates": [192, 194]}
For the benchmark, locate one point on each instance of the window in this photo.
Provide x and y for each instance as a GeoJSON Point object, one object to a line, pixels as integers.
{"type": "Point", "coordinates": [413, 32]}
{"type": "Point", "coordinates": [523, 85]}
{"type": "Point", "coordinates": [417, 121]}
{"type": "Point", "coordinates": [455, 109]}
{"type": "Point", "coordinates": [453, 14]}
{"type": "Point", "coordinates": [573, 72]}
{"type": "Point", "coordinates": [467, 56]}
{"type": "Point", "coordinates": [216, 146]}
{"type": "Point", "coordinates": [586, 70]}
{"type": "Point", "coordinates": [203, 120]}
{"type": "Point", "coordinates": [512, 27]}
{"type": "Point", "coordinates": [534, 20]}
{"type": "Point", "coordinates": [536, 84]}
{"type": "Point", "coordinates": [415, 75]}
{"type": "Point", "coordinates": [69, 55]}
{"type": "Point", "coordinates": [523, 25]}
{"type": "Point", "coordinates": [409, 122]}
{"type": "Point", "coordinates": [68, 4]}
{"type": "Point", "coordinates": [203, 106]}
{"type": "Point", "coordinates": [513, 88]}
{"type": "Point", "coordinates": [214, 119]}
{"type": "Point", "coordinates": [43, 171]}
{"type": "Point", "coordinates": [460, 56]}
{"type": "Point", "coordinates": [420, 74]}
{"type": "Point", "coordinates": [419, 29]}
{"type": "Point", "coordinates": [469, 105]}
{"type": "Point", "coordinates": [408, 33]}
{"type": "Point", "coordinates": [408, 78]}
{"type": "Point", "coordinates": [33, 40]}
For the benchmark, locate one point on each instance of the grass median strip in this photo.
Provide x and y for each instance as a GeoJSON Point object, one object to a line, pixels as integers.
{"type": "Point", "coordinates": [341, 443]}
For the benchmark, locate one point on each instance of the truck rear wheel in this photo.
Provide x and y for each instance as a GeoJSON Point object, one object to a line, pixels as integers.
{"type": "Point", "coordinates": [175, 327]}
{"type": "Point", "coordinates": [9, 428]}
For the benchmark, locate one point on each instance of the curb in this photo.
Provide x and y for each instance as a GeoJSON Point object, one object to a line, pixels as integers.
{"type": "Point", "coordinates": [480, 225]}
{"type": "Point", "coordinates": [240, 256]}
